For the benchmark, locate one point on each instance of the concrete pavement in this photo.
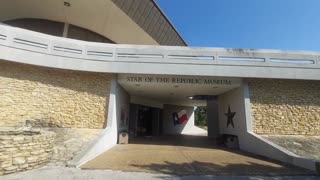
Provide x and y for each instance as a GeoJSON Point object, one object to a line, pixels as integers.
{"type": "Point", "coordinates": [187, 155]}
{"type": "Point", "coordinates": [63, 173]}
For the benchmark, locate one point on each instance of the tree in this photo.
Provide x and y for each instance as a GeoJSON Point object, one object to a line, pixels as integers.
{"type": "Point", "coordinates": [201, 116]}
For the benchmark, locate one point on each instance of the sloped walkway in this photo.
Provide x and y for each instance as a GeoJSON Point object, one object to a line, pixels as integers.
{"type": "Point", "coordinates": [186, 155]}
{"type": "Point", "coordinates": [305, 146]}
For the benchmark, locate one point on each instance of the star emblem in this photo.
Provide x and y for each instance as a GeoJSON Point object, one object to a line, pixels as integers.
{"type": "Point", "coordinates": [230, 116]}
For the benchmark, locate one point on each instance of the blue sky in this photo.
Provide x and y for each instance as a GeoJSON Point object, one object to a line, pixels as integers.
{"type": "Point", "coordinates": [266, 24]}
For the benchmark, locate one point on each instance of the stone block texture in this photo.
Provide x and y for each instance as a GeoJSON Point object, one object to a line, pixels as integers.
{"type": "Point", "coordinates": [71, 142]}
{"type": "Point", "coordinates": [48, 97]}
{"type": "Point", "coordinates": [20, 150]}
{"type": "Point", "coordinates": [285, 107]}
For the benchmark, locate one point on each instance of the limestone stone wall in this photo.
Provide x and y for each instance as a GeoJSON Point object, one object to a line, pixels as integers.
{"type": "Point", "coordinates": [285, 107]}
{"type": "Point", "coordinates": [24, 150]}
{"type": "Point", "coordinates": [49, 97]}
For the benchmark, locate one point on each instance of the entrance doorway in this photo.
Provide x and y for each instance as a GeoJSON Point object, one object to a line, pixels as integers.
{"type": "Point", "coordinates": [144, 121]}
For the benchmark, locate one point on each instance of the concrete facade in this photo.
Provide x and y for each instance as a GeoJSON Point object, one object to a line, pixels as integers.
{"type": "Point", "coordinates": [123, 109]}
{"type": "Point", "coordinates": [188, 127]}
{"type": "Point", "coordinates": [235, 99]}
{"type": "Point", "coordinates": [28, 47]}
{"type": "Point", "coordinates": [168, 125]}
{"type": "Point", "coordinates": [55, 82]}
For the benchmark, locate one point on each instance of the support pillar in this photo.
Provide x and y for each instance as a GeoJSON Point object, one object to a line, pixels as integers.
{"type": "Point", "coordinates": [213, 118]}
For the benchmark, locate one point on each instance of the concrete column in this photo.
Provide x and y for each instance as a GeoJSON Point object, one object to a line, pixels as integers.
{"type": "Point", "coordinates": [65, 30]}
{"type": "Point", "coordinates": [213, 118]}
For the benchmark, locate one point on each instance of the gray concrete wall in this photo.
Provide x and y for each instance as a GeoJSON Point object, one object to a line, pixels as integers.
{"type": "Point", "coordinates": [234, 99]}
{"type": "Point", "coordinates": [123, 108]}
{"type": "Point", "coordinates": [169, 127]}
{"type": "Point", "coordinates": [29, 47]}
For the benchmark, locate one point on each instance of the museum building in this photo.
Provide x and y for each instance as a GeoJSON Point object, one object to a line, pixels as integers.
{"type": "Point", "coordinates": [88, 71]}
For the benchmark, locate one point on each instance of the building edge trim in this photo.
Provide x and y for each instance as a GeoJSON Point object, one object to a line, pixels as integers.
{"type": "Point", "coordinates": [29, 47]}
{"type": "Point", "coordinates": [169, 21]}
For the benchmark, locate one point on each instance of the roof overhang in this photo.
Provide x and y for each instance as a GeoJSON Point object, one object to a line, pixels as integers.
{"type": "Point", "coordinates": [148, 15]}
{"type": "Point", "coordinates": [101, 16]}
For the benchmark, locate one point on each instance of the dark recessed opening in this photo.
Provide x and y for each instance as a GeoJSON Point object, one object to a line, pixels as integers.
{"type": "Point", "coordinates": [67, 4]}
{"type": "Point", "coordinates": [203, 97]}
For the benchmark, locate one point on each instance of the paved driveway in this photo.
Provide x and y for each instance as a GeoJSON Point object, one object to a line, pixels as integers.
{"type": "Point", "coordinates": [63, 173]}
{"type": "Point", "coordinates": [186, 155]}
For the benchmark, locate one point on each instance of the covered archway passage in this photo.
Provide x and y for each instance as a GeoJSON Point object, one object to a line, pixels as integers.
{"type": "Point", "coordinates": [163, 137]}
{"type": "Point", "coordinates": [164, 105]}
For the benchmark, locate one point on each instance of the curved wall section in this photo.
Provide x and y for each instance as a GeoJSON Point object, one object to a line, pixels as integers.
{"type": "Point", "coordinates": [100, 16]}
{"type": "Point", "coordinates": [24, 150]}
{"type": "Point", "coordinates": [29, 47]}
{"type": "Point", "coordinates": [75, 32]}
{"type": "Point", "coordinates": [58, 29]}
{"type": "Point", "coordinates": [39, 25]}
